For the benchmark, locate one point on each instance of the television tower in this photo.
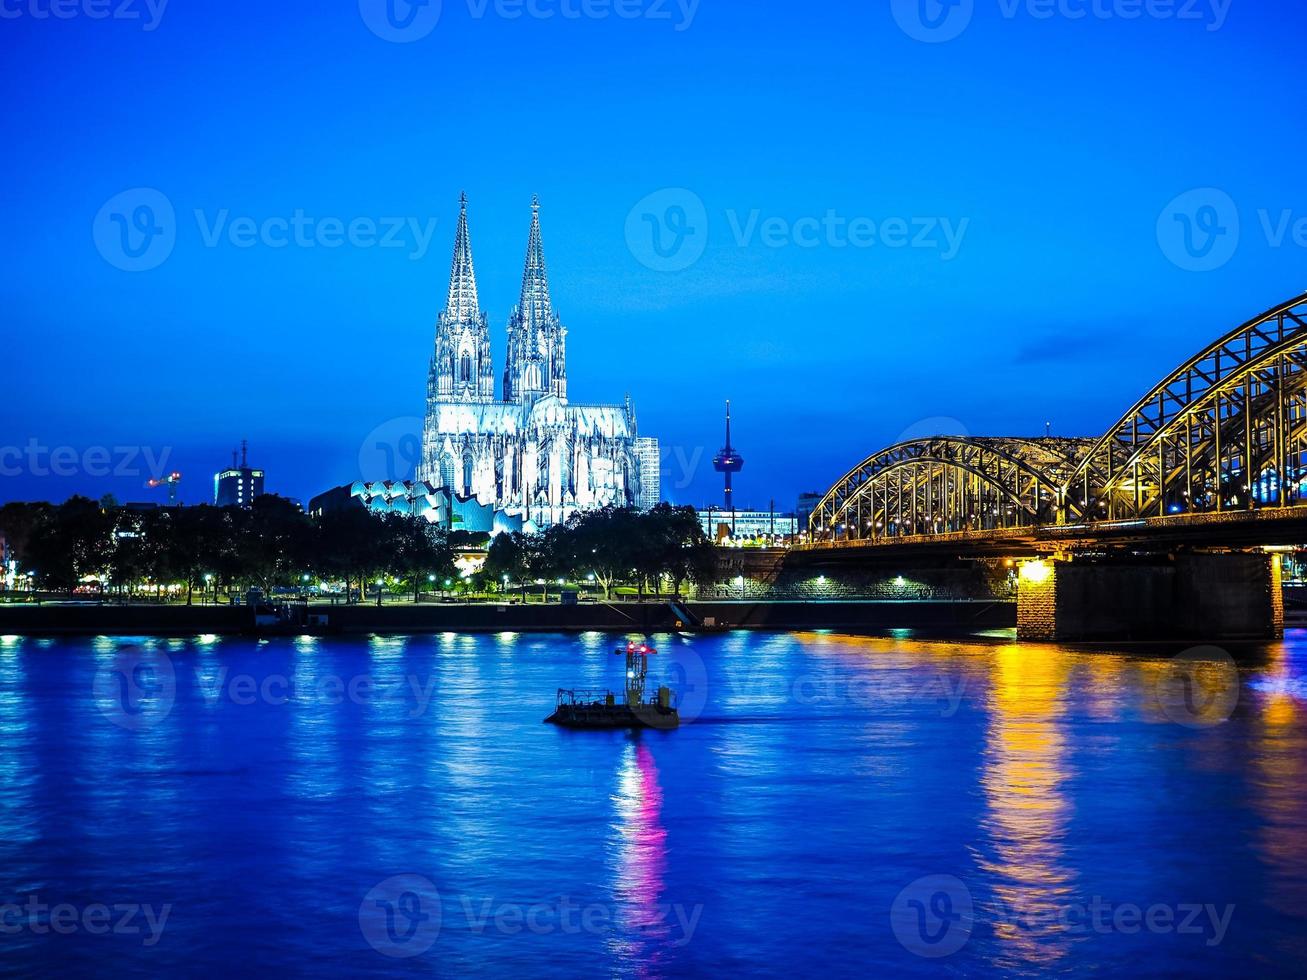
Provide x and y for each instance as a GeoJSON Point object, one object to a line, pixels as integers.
{"type": "Point", "coordinates": [726, 462]}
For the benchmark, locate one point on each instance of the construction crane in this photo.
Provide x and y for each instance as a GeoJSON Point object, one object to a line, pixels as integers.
{"type": "Point", "coordinates": [170, 481]}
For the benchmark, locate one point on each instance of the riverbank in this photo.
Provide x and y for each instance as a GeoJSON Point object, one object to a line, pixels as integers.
{"type": "Point", "coordinates": [958, 617]}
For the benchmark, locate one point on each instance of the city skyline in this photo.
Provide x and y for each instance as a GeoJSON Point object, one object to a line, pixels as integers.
{"type": "Point", "coordinates": [1049, 269]}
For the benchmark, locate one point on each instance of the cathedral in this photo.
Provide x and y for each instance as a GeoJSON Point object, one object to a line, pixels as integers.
{"type": "Point", "coordinates": [531, 454]}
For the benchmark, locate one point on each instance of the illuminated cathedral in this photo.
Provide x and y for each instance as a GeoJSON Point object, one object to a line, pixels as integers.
{"type": "Point", "coordinates": [531, 454]}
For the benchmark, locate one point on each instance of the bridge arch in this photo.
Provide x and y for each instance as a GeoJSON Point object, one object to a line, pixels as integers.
{"type": "Point", "coordinates": [1227, 429]}
{"type": "Point", "coordinates": [948, 483]}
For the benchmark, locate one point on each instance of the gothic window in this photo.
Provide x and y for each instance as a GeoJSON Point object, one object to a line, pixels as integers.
{"type": "Point", "coordinates": [467, 476]}
{"type": "Point", "coordinates": [465, 368]}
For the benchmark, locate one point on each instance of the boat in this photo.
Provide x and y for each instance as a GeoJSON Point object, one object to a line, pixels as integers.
{"type": "Point", "coordinates": [601, 709]}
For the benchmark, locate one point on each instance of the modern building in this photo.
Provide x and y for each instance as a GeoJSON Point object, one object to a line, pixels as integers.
{"type": "Point", "coordinates": [649, 458]}
{"type": "Point", "coordinates": [749, 524]}
{"type": "Point", "coordinates": [419, 498]}
{"type": "Point", "coordinates": [239, 485]}
{"type": "Point", "coordinates": [532, 453]}
{"type": "Point", "coordinates": [807, 504]}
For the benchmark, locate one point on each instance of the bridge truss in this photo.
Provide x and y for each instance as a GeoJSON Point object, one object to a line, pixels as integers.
{"type": "Point", "coordinates": [1226, 431]}
{"type": "Point", "coordinates": [949, 483]}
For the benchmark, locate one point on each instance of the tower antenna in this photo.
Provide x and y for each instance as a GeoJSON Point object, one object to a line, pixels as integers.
{"type": "Point", "coordinates": [726, 462]}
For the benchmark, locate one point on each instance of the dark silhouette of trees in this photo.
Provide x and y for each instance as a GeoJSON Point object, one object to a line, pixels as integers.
{"type": "Point", "coordinates": [273, 544]}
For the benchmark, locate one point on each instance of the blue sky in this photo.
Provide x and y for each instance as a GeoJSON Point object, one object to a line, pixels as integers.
{"type": "Point", "coordinates": [880, 234]}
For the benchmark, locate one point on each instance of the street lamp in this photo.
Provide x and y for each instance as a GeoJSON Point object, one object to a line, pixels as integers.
{"type": "Point", "coordinates": [380, 583]}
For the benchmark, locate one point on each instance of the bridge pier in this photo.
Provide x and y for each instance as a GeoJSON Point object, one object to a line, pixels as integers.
{"type": "Point", "coordinates": [1199, 596]}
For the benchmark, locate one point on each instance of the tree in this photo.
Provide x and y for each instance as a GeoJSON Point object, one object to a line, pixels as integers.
{"type": "Point", "coordinates": [70, 542]}
{"type": "Point", "coordinates": [506, 558]}
{"type": "Point", "coordinates": [198, 538]}
{"type": "Point", "coordinates": [417, 549]}
{"type": "Point", "coordinates": [603, 542]}
{"type": "Point", "coordinates": [349, 543]}
{"type": "Point", "coordinates": [278, 542]}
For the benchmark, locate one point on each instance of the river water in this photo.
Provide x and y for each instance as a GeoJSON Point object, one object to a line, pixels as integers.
{"type": "Point", "coordinates": [831, 805]}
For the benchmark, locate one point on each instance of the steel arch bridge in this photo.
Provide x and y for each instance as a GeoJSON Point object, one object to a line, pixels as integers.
{"type": "Point", "coordinates": [1224, 432]}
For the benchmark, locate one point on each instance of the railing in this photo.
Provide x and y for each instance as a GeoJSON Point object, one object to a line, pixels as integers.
{"type": "Point", "coordinates": [1269, 514]}
{"type": "Point", "coordinates": [566, 696]}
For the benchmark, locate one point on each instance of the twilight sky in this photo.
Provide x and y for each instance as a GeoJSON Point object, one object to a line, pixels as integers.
{"type": "Point", "coordinates": [854, 220]}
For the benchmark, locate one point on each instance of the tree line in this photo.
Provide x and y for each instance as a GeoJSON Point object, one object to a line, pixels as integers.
{"type": "Point", "coordinates": [613, 545]}
{"type": "Point", "coordinates": [273, 544]}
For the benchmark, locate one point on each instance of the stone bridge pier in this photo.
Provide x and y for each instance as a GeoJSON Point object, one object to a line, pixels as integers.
{"type": "Point", "coordinates": [1192, 596]}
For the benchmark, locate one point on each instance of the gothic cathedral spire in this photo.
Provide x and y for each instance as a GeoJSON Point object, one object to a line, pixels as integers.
{"type": "Point", "coordinates": [462, 302]}
{"type": "Point", "coordinates": [461, 368]}
{"type": "Point", "coordinates": [536, 360]}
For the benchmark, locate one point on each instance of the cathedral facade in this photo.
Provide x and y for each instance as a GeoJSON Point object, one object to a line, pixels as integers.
{"type": "Point", "coordinates": [531, 453]}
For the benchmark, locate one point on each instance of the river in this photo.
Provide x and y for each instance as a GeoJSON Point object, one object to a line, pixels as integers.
{"type": "Point", "coordinates": [831, 805]}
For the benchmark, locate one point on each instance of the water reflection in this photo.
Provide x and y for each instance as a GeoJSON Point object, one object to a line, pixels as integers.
{"type": "Point", "coordinates": [1279, 774]}
{"type": "Point", "coordinates": [1025, 768]}
{"type": "Point", "coordinates": [638, 843]}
